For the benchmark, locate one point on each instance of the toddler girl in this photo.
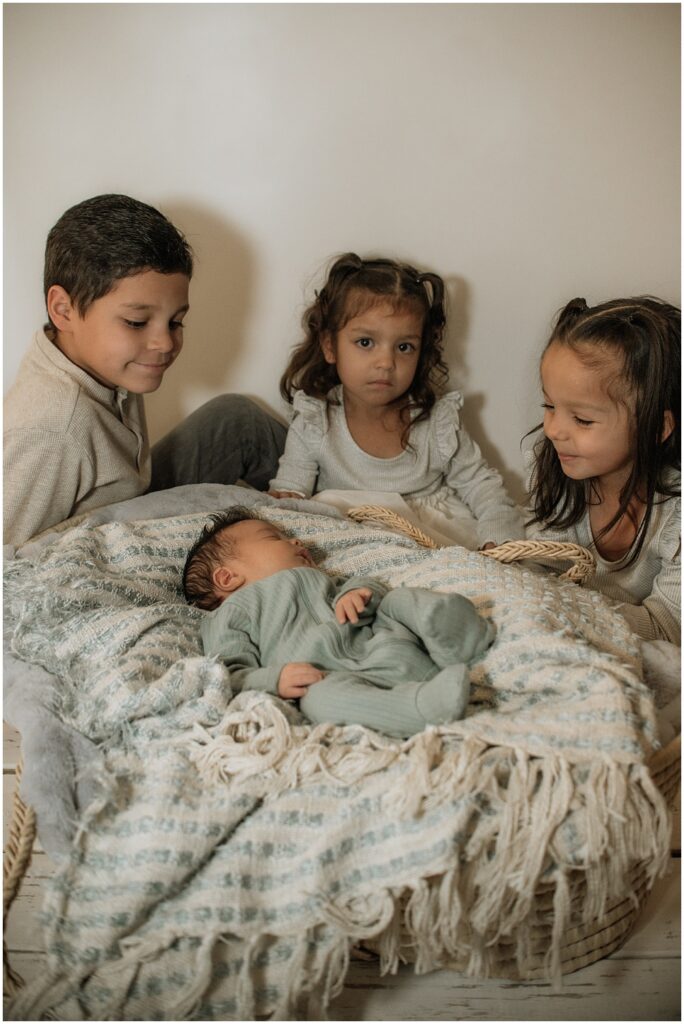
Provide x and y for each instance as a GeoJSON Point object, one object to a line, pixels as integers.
{"type": "Point", "coordinates": [606, 472]}
{"type": "Point", "coordinates": [364, 388]}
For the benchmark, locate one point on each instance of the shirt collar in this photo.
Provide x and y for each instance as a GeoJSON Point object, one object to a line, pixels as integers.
{"type": "Point", "coordinates": [105, 396]}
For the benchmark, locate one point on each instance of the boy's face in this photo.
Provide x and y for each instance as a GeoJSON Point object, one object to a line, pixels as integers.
{"type": "Point", "coordinates": [259, 550]}
{"type": "Point", "coordinates": [129, 337]}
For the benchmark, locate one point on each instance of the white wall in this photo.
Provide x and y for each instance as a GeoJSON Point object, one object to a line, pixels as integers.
{"type": "Point", "coordinates": [527, 152]}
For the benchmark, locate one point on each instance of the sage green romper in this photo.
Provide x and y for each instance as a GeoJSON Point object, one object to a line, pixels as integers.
{"type": "Point", "coordinates": [401, 667]}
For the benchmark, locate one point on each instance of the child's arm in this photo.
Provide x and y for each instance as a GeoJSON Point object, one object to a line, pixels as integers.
{"type": "Point", "coordinates": [467, 473]}
{"type": "Point", "coordinates": [43, 477]}
{"type": "Point", "coordinates": [483, 491]}
{"type": "Point", "coordinates": [236, 650]}
{"type": "Point", "coordinates": [298, 466]}
{"type": "Point", "coordinates": [659, 616]}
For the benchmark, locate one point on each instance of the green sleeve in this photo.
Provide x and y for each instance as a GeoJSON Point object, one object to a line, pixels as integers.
{"type": "Point", "coordinates": [235, 648]}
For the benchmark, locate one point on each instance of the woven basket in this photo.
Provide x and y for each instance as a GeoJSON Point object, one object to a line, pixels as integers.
{"type": "Point", "coordinates": [15, 861]}
{"type": "Point", "coordinates": [581, 945]}
{"type": "Point", "coordinates": [588, 941]}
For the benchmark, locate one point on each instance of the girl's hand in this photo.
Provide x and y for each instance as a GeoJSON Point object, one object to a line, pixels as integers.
{"type": "Point", "coordinates": [296, 678]}
{"type": "Point", "coordinates": [284, 494]}
{"type": "Point", "coordinates": [488, 545]}
{"type": "Point", "coordinates": [350, 604]}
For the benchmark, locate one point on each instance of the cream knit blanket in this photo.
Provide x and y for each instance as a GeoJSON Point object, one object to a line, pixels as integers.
{"type": "Point", "coordinates": [237, 853]}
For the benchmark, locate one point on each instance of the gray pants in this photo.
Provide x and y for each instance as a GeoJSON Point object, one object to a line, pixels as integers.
{"type": "Point", "coordinates": [449, 634]}
{"type": "Point", "coordinates": [228, 439]}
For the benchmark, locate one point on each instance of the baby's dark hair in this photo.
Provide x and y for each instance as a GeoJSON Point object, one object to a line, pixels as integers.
{"type": "Point", "coordinates": [104, 239]}
{"type": "Point", "coordinates": [353, 285]}
{"type": "Point", "coordinates": [212, 545]}
{"type": "Point", "coordinates": [645, 334]}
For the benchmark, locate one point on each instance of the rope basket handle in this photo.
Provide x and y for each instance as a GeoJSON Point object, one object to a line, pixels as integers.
{"type": "Point", "coordinates": [16, 859]}
{"type": "Point", "coordinates": [512, 551]}
{"type": "Point", "coordinates": [583, 566]}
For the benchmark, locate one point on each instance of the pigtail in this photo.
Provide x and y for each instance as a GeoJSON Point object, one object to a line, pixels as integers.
{"type": "Point", "coordinates": [432, 372]}
{"type": "Point", "coordinates": [569, 316]}
{"type": "Point", "coordinates": [434, 288]}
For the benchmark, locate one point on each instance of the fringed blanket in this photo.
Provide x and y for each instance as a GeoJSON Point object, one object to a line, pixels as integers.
{"type": "Point", "coordinates": [236, 853]}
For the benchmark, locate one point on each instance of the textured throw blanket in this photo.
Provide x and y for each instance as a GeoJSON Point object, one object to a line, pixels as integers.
{"type": "Point", "coordinates": [230, 855]}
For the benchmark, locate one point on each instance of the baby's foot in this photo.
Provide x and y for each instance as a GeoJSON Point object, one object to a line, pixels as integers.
{"type": "Point", "coordinates": [453, 630]}
{"type": "Point", "coordinates": [444, 698]}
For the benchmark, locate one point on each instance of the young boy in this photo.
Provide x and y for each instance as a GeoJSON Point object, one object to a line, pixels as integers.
{"type": "Point", "coordinates": [116, 281]}
{"type": "Point", "coordinates": [392, 660]}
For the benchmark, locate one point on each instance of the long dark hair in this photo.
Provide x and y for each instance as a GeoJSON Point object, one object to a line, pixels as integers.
{"type": "Point", "coordinates": [352, 286]}
{"type": "Point", "coordinates": [645, 334]}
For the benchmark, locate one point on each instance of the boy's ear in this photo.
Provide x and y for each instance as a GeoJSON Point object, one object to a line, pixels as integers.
{"type": "Point", "coordinates": [60, 308]}
{"type": "Point", "coordinates": [226, 580]}
{"type": "Point", "coordinates": [328, 348]}
{"type": "Point", "coordinates": [668, 426]}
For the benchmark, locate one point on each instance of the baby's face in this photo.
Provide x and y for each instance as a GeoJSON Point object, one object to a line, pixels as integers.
{"type": "Point", "coordinates": [261, 550]}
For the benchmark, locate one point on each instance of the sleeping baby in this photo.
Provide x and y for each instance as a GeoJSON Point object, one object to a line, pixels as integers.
{"type": "Point", "coordinates": [351, 651]}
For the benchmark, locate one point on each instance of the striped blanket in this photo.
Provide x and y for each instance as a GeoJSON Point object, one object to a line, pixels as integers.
{"type": "Point", "coordinates": [235, 853]}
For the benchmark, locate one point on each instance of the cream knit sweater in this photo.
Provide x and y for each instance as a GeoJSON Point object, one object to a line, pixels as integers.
{"type": "Point", "coordinates": [70, 444]}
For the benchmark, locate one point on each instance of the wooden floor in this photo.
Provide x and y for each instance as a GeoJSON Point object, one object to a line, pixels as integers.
{"type": "Point", "coordinates": [639, 982]}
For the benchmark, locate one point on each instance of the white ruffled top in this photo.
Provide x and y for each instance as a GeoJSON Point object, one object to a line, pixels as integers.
{"type": "Point", "coordinates": [442, 459]}
{"type": "Point", "coordinates": [647, 592]}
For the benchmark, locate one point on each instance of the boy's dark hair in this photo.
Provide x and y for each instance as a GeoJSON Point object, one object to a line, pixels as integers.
{"type": "Point", "coordinates": [101, 240]}
{"type": "Point", "coordinates": [645, 334]}
{"type": "Point", "coordinates": [354, 285]}
{"type": "Point", "coordinates": [211, 545]}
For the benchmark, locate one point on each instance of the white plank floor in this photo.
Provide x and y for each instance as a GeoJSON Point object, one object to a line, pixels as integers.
{"type": "Point", "coordinates": [639, 982]}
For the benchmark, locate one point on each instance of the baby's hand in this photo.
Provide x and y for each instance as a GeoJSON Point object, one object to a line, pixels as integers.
{"type": "Point", "coordinates": [284, 494]}
{"type": "Point", "coordinates": [350, 604]}
{"type": "Point", "coordinates": [295, 679]}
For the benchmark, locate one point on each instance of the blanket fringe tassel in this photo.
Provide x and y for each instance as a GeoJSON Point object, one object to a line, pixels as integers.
{"type": "Point", "coordinates": [524, 831]}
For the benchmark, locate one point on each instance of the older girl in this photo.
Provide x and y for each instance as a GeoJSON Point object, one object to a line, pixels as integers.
{"type": "Point", "coordinates": [606, 470]}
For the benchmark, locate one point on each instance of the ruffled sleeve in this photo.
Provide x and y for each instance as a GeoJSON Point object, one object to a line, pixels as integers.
{"type": "Point", "coordinates": [445, 422]}
{"type": "Point", "coordinates": [311, 413]}
{"type": "Point", "coordinates": [299, 463]}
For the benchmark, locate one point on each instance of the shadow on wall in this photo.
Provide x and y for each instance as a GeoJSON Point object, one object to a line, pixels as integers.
{"type": "Point", "coordinates": [456, 335]}
{"type": "Point", "coordinates": [457, 330]}
{"type": "Point", "coordinates": [472, 411]}
{"type": "Point", "coordinates": [220, 303]}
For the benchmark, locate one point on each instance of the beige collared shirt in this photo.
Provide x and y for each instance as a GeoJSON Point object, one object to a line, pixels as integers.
{"type": "Point", "coordinates": [70, 443]}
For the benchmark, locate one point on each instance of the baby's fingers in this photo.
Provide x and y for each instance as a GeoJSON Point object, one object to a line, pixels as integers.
{"type": "Point", "coordinates": [353, 602]}
{"type": "Point", "coordinates": [300, 688]}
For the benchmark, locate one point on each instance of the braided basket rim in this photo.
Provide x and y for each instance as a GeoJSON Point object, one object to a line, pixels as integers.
{"type": "Point", "coordinates": [510, 551]}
